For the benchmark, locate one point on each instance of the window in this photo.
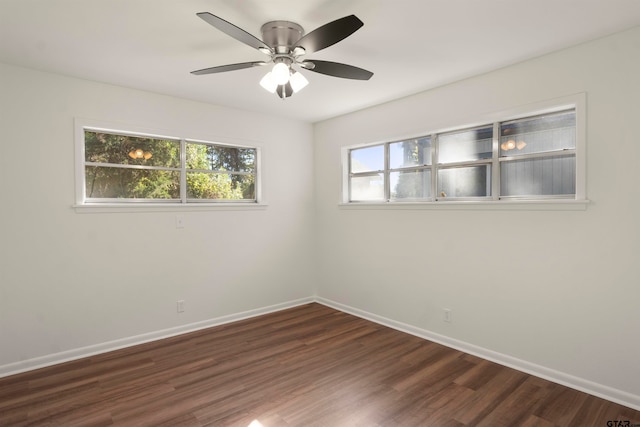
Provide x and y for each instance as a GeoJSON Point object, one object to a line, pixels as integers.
{"type": "Point", "coordinates": [120, 167]}
{"type": "Point", "coordinates": [530, 158]}
{"type": "Point", "coordinates": [464, 163]}
{"type": "Point", "coordinates": [367, 167]}
{"type": "Point", "coordinates": [410, 169]}
{"type": "Point", "coordinates": [538, 156]}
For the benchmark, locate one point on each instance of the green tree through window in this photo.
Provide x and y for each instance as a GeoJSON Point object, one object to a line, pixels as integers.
{"type": "Point", "coordinates": [220, 172]}
{"type": "Point", "coordinates": [125, 167]}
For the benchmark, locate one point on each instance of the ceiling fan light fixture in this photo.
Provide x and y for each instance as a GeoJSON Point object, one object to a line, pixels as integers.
{"type": "Point", "coordinates": [139, 153]}
{"type": "Point", "coordinates": [297, 81]}
{"type": "Point", "coordinates": [285, 42]}
{"type": "Point", "coordinates": [280, 73]}
{"type": "Point", "coordinates": [268, 83]}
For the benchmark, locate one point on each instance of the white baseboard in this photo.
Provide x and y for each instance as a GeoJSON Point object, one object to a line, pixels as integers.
{"type": "Point", "coordinates": [581, 384]}
{"type": "Point", "coordinates": [78, 353]}
{"type": "Point", "coordinates": [599, 390]}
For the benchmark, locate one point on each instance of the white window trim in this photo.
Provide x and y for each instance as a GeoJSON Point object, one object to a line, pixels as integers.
{"type": "Point", "coordinates": [82, 206]}
{"type": "Point", "coordinates": [580, 202]}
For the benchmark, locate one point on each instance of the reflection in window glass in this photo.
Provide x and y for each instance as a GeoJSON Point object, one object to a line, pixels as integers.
{"type": "Point", "coordinates": [101, 147]}
{"type": "Point", "coordinates": [369, 159]}
{"type": "Point", "coordinates": [414, 152]}
{"type": "Point", "coordinates": [474, 181]}
{"type": "Point", "coordinates": [467, 145]}
{"type": "Point", "coordinates": [367, 188]}
{"type": "Point", "coordinates": [539, 176]}
{"type": "Point", "coordinates": [410, 184]}
{"type": "Point", "coordinates": [550, 132]}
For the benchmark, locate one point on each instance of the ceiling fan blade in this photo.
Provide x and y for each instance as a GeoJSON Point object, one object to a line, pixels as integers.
{"type": "Point", "coordinates": [233, 31]}
{"type": "Point", "coordinates": [230, 67]}
{"type": "Point", "coordinates": [284, 91]}
{"type": "Point", "coordinates": [330, 33]}
{"type": "Point", "coordinates": [337, 69]}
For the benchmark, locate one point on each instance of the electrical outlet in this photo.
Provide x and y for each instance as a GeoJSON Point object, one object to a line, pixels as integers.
{"type": "Point", "coordinates": [179, 221]}
{"type": "Point", "coordinates": [180, 306]}
{"type": "Point", "coordinates": [446, 315]}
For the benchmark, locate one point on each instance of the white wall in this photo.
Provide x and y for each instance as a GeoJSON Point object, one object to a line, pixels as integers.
{"type": "Point", "coordinates": [568, 301]}
{"type": "Point", "coordinates": [559, 289]}
{"type": "Point", "coordinates": [71, 280]}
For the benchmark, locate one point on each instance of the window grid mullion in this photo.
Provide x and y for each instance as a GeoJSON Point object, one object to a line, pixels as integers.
{"type": "Point", "coordinates": [410, 168]}
{"type": "Point", "coordinates": [435, 147]}
{"type": "Point", "coordinates": [350, 176]}
{"type": "Point", "coordinates": [125, 166]}
{"type": "Point", "coordinates": [465, 164]}
{"type": "Point", "coordinates": [495, 163]}
{"type": "Point", "coordinates": [540, 155]}
{"type": "Point", "coordinates": [183, 171]}
{"type": "Point", "coordinates": [244, 173]}
{"type": "Point", "coordinates": [387, 174]}
{"type": "Point", "coordinates": [434, 162]}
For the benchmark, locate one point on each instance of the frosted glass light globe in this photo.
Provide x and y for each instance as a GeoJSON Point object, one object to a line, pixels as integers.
{"type": "Point", "coordinates": [280, 73]}
{"type": "Point", "coordinates": [268, 83]}
{"type": "Point", "coordinates": [298, 81]}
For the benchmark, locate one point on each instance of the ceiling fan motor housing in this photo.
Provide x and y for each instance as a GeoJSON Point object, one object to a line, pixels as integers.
{"type": "Point", "coordinates": [285, 42]}
{"type": "Point", "coordinates": [281, 35]}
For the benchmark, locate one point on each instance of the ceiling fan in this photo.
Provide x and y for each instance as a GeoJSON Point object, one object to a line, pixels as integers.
{"type": "Point", "coordinates": [285, 43]}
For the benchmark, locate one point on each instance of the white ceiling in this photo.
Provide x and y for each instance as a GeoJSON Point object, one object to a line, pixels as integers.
{"type": "Point", "coordinates": [410, 45]}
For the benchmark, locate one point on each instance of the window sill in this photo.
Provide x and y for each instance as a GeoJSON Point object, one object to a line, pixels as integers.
{"type": "Point", "coordinates": [516, 205]}
{"type": "Point", "coordinates": [159, 207]}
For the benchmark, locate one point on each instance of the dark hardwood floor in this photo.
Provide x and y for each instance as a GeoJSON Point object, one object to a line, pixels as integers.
{"type": "Point", "coordinates": [306, 366]}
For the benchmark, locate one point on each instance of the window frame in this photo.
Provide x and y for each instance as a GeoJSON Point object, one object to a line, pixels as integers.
{"type": "Point", "coordinates": [576, 102]}
{"type": "Point", "coordinates": [545, 154]}
{"type": "Point", "coordinates": [145, 205]}
{"type": "Point", "coordinates": [438, 166]}
{"type": "Point", "coordinates": [412, 168]}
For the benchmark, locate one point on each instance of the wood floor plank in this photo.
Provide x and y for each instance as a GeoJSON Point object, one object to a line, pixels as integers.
{"type": "Point", "coordinates": [490, 395]}
{"type": "Point", "coordinates": [306, 366]}
{"type": "Point", "coordinates": [449, 402]}
{"type": "Point", "coordinates": [515, 408]}
{"type": "Point", "coordinates": [560, 404]}
{"type": "Point", "coordinates": [478, 375]}
{"type": "Point", "coordinates": [534, 421]}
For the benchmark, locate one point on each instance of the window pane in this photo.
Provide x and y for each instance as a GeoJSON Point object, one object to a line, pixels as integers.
{"type": "Point", "coordinates": [220, 158]}
{"type": "Point", "coordinates": [120, 183]}
{"type": "Point", "coordinates": [367, 159]}
{"type": "Point", "coordinates": [464, 146]}
{"type": "Point", "coordinates": [544, 176]}
{"type": "Point", "coordinates": [414, 152]}
{"type": "Point", "coordinates": [472, 181]}
{"type": "Point", "coordinates": [220, 186]}
{"type": "Point", "coordinates": [550, 132]}
{"type": "Point", "coordinates": [103, 147]}
{"type": "Point", "coordinates": [369, 187]}
{"type": "Point", "coordinates": [410, 184]}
